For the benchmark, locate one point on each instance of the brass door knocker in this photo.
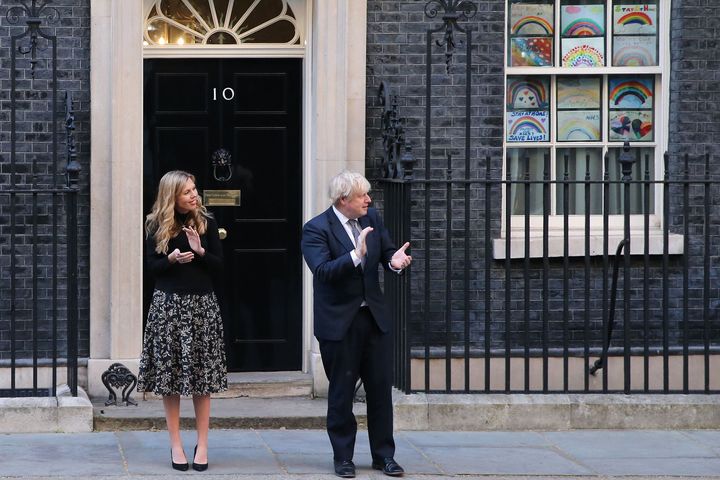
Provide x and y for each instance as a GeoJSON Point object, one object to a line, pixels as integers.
{"type": "Point", "coordinates": [221, 159]}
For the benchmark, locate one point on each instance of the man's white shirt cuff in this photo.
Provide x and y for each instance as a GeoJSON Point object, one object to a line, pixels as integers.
{"type": "Point", "coordinates": [356, 260]}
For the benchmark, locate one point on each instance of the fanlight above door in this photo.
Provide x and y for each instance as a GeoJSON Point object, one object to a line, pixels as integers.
{"type": "Point", "coordinates": [216, 22]}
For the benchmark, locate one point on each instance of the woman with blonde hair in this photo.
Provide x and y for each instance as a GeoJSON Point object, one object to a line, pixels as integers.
{"type": "Point", "coordinates": [183, 351]}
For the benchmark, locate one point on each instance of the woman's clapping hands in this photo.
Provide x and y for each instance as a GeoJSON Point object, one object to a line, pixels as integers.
{"type": "Point", "coordinates": [176, 256]}
{"type": "Point", "coordinates": [194, 240]}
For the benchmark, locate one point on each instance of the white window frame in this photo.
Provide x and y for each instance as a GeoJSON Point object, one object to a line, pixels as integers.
{"type": "Point", "coordinates": [576, 223]}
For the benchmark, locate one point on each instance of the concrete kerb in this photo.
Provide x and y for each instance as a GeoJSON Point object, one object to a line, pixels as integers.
{"type": "Point", "coordinates": [63, 413]}
{"type": "Point", "coordinates": [451, 412]}
{"type": "Point", "coordinates": [555, 412]}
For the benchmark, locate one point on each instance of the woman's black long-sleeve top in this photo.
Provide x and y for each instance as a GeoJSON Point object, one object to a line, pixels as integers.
{"type": "Point", "coordinates": [194, 277]}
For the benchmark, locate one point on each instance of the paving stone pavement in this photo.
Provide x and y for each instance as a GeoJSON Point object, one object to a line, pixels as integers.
{"type": "Point", "coordinates": [305, 454]}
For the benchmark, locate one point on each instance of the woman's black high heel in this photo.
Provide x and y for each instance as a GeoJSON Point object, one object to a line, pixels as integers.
{"type": "Point", "coordinates": [178, 466]}
{"type": "Point", "coordinates": [198, 467]}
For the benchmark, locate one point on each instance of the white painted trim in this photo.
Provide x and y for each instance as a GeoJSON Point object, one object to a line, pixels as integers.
{"type": "Point", "coordinates": [116, 236]}
{"type": "Point", "coordinates": [307, 183]}
{"type": "Point", "coordinates": [126, 233]}
{"type": "Point", "coordinates": [565, 71]}
{"type": "Point", "coordinates": [225, 51]}
{"type": "Point", "coordinates": [100, 177]}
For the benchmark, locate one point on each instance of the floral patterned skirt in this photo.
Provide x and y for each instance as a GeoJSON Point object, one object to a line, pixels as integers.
{"type": "Point", "coordinates": [183, 350]}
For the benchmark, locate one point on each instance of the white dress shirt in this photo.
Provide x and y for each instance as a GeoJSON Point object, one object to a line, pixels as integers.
{"type": "Point", "coordinates": [345, 222]}
{"type": "Point", "coordinates": [348, 229]}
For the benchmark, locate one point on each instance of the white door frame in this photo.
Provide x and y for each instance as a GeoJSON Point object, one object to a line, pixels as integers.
{"type": "Point", "coordinates": [333, 136]}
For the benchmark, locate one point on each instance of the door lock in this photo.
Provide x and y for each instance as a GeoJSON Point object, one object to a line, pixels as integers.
{"type": "Point", "coordinates": [222, 233]}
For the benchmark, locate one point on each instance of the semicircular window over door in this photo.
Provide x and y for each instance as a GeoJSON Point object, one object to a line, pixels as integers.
{"type": "Point", "coordinates": [218, 22]}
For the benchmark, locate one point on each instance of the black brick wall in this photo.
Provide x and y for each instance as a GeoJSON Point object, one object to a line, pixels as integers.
{"type": "Point", "coordinates": [396, 53]}
{"type": "Point", "coordinates": [34, 147]}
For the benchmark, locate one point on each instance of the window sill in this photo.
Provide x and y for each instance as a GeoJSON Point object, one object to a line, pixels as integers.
{"type": "Point", "coordinates": [576, 244]}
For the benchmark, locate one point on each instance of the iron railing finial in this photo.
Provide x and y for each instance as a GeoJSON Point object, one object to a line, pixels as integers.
{"type": "Point", "coordinates": [452, 11]}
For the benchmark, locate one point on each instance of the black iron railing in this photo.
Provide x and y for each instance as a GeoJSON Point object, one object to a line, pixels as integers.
{"type": "Point", "coordinates": [42, 293]}
{"type": "Point", "coordinates": [396, 194]}
{"type": "Point", "coordinates": [507, 294]}
{"type": "Point", "coordinates": [522, 319]}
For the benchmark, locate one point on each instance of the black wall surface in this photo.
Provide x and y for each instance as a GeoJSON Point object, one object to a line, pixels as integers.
{"type": "Point", "coordinates": [396, 46]}
{"type": "Point", "coordinates": [34, 144]}
{"type": "Point", "coordinates": [395, 53]}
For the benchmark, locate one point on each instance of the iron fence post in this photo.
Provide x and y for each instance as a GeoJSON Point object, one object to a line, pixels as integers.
{"type": "Point", "coordinates": [397, 172]}
{"type": "Point", "coordinates": [72, 172]}
{"type": "Point", "coordinates": [626, 160]}
{"type": "Point", "coordinates": [28, 180]}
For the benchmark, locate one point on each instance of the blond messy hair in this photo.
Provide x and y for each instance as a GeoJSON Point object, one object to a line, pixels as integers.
{"type": "Point", "coordinates": [346, 184]}
{"type": "Point", "coordinates": [161, 221]}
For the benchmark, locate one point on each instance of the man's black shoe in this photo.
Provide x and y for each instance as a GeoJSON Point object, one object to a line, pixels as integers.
{"type": "Point", "coordinates": [344, 468]}
{"type": "Point", "coordinates": [388, 466]}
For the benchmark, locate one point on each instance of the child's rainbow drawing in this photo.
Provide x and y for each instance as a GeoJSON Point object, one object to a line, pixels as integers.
{"type": "Point", "coordinates": [631, 125]}
{"type": "Point", "coordinates": [529, 126]}
{"type": "Point", "coordinates": [531, 52]}
{"type": "Point", "coordinates": [582, 20]}
{"type": "Point", "coordinates": [634, 19]}
{"type": "Point", "coordinates": [533, 19]}
{"type": "Point", "coordinates": [630, 92]}
{"type": "Point", "coordinates": [583, 52]}
{"type": "Point", "coordinates": [578, 125]}
{"type": "Point", "coordinates": [532, 25]}
{"type": "Point", "coordinates": [635, 51]}
{"type": "Point", "coordinates": [578, 92]}
{"type": "Point", "coordinates": [528, 92]}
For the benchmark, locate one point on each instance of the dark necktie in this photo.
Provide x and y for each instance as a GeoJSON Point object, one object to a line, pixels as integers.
{"type": "Point", "coordinates": [355, 229]}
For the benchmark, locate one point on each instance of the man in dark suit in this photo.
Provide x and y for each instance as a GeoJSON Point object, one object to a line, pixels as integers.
{"type": "Point", "coordinates": [343, 247]}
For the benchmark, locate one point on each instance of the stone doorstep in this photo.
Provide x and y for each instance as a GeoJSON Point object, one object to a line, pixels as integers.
{"type": "Point", "coordinates": [253, 400]}
{"type": "Point", "coordinates": [260, 385]}
{"type": "Point", "coordinates": [63, 413]}
{"type": "Point", "coordinates": [227, 413]}
{"type": "Point", "coordinates": [480, 412]}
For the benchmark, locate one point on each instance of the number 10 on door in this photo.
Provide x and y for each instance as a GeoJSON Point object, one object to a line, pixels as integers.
{"type": "Point", "coordinates": [227, 93]}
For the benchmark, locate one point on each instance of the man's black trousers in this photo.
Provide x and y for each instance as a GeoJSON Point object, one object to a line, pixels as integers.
{"type": "Point", "coordinates": [367, 353]}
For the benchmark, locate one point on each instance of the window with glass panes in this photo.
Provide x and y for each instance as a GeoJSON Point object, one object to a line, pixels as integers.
{"type": "Point", "coordinates": [583, 77]}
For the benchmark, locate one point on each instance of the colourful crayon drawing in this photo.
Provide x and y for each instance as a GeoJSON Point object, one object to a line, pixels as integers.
{"type": "Point", "coordinates": [631, 125]}
{"type": "Point", "coordinates": [531, 52]}
{"type": "Point", "coordinates": [579, 52]}
{"type": "Point", "coordinates": [578, 92]}
{"type": "Point", "coordinates": [626, 92]}
{"type": "Point", "coordinates": [527, 126]}
{"type": "Point", "coordinates": [578, 126]}
{"type": "Point", "coordinates": [581, 28]}
{"type": "Point", "coordinates": [527, 92]}
{"type": "Point", "coordinates": [527, 26]}
{"type": "Point", "coordinates": [532, 19]}
{"type": "Point", "coordinates": [634, 51]}
{"type": "Point", "coordinates": [637, 18]}
{"type": "Point", "coordinates": [583, 20]}
{"type": "Point", "coordinates": [633, 19]}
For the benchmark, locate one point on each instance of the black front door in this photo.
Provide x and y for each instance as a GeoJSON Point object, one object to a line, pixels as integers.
{"type": "Point", "coordinates": [251, 109]}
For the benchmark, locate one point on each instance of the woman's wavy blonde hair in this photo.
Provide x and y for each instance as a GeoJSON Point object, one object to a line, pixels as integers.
{"type": "Point", "coordinates": [161, 221]}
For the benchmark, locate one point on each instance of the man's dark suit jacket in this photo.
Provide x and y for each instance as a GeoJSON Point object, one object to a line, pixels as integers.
{"type": "Point", "coordinates": [340, 287]}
